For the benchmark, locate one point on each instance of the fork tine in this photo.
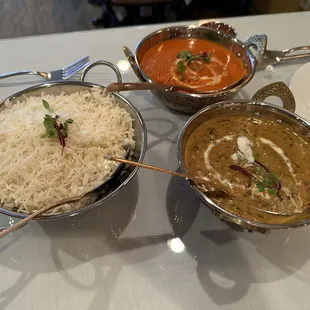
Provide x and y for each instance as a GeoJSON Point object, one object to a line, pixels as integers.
{"type": "Point", "coordinates": [74, 68]}
{"type": "Point", "coordinates": [71, 72]}
{"type": "Point", "coordinates": [76, 62]}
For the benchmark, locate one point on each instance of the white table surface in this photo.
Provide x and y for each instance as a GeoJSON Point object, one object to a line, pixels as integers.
{"type": "Point", "coordinates": [154, 246]}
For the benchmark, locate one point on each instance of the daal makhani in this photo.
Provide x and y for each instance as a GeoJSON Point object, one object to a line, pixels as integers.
{"type": "Point", "coordinates": [261, 162]}
{"type": "Point", "coordinates": [53, 147]}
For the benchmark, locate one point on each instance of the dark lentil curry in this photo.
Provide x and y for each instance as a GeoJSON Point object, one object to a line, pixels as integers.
{"type": "Point", "coordinates": [262, 163]}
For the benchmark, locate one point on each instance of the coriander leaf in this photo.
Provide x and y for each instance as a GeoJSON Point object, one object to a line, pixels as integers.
{"type": "Point", "coordinates": [272, 191]}
{"type": "Point", "coordinates": [274, 178]}
{"type": "Point", "coordinates": [54, 127]}
{"type": "Point", "coordinates": [181, 67]}
{"type": "Point", "coordinates": [260, 170]}
{"type": "Point", "coordinates": [49, 124]}
{"type": "Point", "coordinates": [268, 183]}
{"type": "Point", "coordinates": [47, 106]}
{"type": "Point", "coordinates": [260, 186]}
{"type": "Point", "coordinates": [184, 55]}
{"type": "Point", "coordinates": [49, 118]}
{"type": "Point", "coordinates": [207, 57]}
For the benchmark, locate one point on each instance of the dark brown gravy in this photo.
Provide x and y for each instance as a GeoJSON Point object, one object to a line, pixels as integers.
{"type": "Point", "coordinates": [219, 143]}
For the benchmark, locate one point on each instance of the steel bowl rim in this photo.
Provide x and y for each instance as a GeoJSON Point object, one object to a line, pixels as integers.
{"type": "Point", "coordinates": [208, 201]}
{"type": "Point", "coordinates": [203, 95]}
{"type": "Point", "coordinates": [113, 193]}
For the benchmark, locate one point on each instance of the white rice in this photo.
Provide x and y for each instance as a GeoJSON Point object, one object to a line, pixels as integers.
{"type": "Point", "coordinates": [33, 173]}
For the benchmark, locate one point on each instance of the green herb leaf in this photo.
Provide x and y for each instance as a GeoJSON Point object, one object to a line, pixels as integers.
{"type": "Point", "coordinates": [184, 55]}
{"type": "Point", "coordinates": [65, 127]}
{"type": "Point", "coordinates": [274, 178]}
{"type": "Point", "coordinates": [260, 187]}
{"type": "Point", "coordinates": [206, 57]}
{"type": "Point", "coordinates": [181, 67]}
{"type": "Point", "coordinates": [47, 106]}
{"type": "Point", "coordinates": [267, 182]}
{"type": "Point", "coordinates": [272, 191]}
{"type": "Point", "coordinates": [54, 127]}
{"type": "Point", "coordinates": [49, 124]}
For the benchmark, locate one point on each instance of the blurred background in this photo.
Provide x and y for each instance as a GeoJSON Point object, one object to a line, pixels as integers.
{"type": "Point", "coordinates": [33, 17]}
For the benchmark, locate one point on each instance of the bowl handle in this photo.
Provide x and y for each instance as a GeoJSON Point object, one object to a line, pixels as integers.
{"type": "Point", "coordinates": [278, 89]}
{"type": "Point", "coordinates": [259, 42]}
{"type": "Point", "coordinates": [131, 59]}
{"type": "Point", "coordinates": [102, 63]}
{"type": "Point", "coordinates": [222, 27]}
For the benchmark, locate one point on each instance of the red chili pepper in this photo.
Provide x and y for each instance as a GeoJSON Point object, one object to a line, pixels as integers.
{"type": "Point", "coordinates": [60, 136]}
{"type": "Point", "coordinates": [261, 165]}
{"type": "Point", "coordinates": [243, 171]}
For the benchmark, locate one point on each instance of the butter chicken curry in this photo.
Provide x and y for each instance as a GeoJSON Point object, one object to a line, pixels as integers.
{"type": "Point", "coordinates": [196, 63]}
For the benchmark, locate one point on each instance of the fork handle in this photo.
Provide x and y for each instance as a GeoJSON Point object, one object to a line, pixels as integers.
{"type": "Point", "coordinates": [296, 49]}
{"type": "Point", "coordinates": [292, 57]}
{"type": "Point", "coordinates": [26, 72]}
{"type": "Point", "coordinates": [290, 51]}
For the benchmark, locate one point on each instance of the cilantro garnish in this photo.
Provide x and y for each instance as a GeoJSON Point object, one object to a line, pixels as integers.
{"type": "Point", "coordinates": [265, 180]}
{"type": "Point", "coordinates": [186, 57]}
{"type": "Point", "coordinates": [54, 127]}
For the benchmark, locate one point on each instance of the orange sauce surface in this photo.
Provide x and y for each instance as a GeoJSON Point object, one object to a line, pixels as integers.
{"type": "Point", "coordinates": [160, 64]}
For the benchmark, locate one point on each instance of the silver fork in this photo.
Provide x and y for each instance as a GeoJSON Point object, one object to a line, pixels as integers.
{"type": "Point", "coordinates": [272, 57]}
{"type": "Point", "coordinates": [61, 74]}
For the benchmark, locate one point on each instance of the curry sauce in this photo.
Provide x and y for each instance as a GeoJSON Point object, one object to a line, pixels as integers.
{"type": "Point", "coordinates": [262, 163]}
{"type": "Point", "coordinates": [196, 63]}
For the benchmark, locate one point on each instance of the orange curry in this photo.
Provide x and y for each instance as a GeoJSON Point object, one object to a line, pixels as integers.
{"type": "Point", "coordinates": [197, 63]}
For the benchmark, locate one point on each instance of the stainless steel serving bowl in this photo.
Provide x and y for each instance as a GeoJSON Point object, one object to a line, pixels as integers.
{"type": "Point", "coordinates": [140, 136]}
{"type": "Point", "coordinates": [248, 107]}
{"type": "Point", "coordinates": [191, 103]}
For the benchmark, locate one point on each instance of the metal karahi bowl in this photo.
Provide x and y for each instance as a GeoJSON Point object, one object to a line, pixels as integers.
{"type": "Point", "coordinates": [247, 107]}
{"type": "Point", "coordinates": [140, 136]}
{"type": "Point", "coordinates": [191, 103]}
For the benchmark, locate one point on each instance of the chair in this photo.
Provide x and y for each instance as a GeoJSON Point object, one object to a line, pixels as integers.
{"type": "Point", "coordinates": [133, 7]}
